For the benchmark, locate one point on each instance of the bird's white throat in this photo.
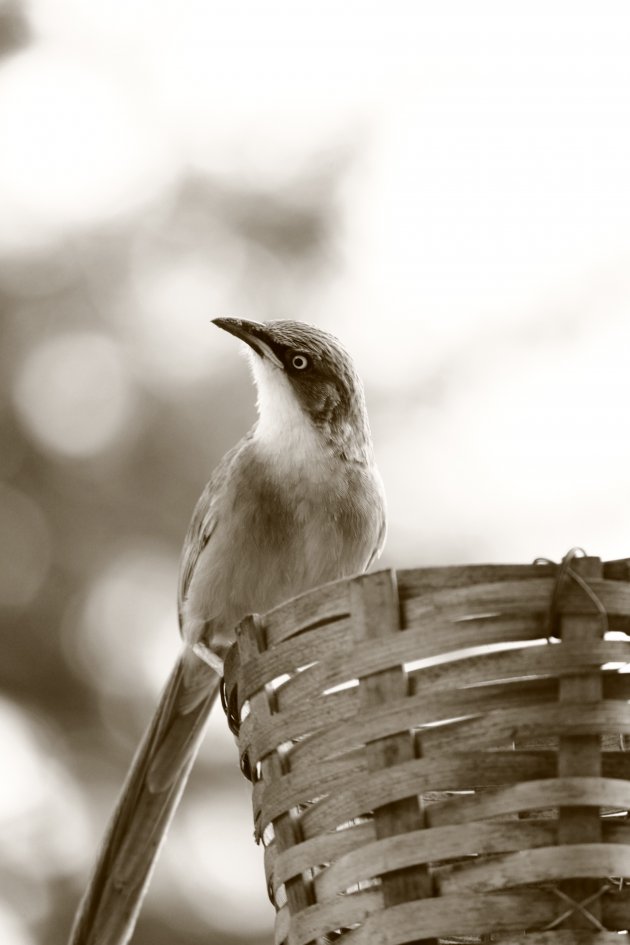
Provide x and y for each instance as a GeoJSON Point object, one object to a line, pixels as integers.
{"type": "Point", "coordinates": [283, 429]}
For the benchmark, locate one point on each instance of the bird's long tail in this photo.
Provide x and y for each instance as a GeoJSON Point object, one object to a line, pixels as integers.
{"type": "Point", "coordinates": [108, 911]}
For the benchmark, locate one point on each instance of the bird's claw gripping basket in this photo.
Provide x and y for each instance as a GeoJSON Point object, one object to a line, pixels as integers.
{"type": "Point", "coordinates": [439, 754]}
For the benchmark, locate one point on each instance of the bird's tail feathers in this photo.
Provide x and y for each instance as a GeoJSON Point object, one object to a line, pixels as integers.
{"type": "Point", "coordinates": [147, 802]}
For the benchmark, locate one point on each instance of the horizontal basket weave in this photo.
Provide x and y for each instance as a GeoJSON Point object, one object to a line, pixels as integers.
{"type": "Point", "coordinates": [439, 754]}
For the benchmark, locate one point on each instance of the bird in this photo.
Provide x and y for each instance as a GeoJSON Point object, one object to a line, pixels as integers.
{"type": "Point", "coordinates": [298, 502]}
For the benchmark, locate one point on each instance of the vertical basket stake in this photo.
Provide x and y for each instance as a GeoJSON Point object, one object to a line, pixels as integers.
{"type": "Point", "coordinates": [580, 755]}
{"type": "Point", "coordinates": [375, 614]}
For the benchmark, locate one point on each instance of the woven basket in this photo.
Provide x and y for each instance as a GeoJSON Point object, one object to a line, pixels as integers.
{"type": "Point", "coordinates": [439, 754]}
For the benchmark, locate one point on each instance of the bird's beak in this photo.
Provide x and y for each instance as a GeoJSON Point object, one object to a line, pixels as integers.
{"type": "Point", "coordinates": [255, 334]}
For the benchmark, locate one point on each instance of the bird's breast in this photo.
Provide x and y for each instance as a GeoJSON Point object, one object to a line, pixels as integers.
{"type": "Point", "coordinates": [277, 536]}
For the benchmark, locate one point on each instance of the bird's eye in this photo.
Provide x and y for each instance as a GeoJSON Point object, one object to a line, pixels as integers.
{"type": "Point", "coordinates": [300, 362]}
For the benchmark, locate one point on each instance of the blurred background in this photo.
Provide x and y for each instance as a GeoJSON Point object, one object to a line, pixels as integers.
{"type": "Point", "coordinates": [445, 186]}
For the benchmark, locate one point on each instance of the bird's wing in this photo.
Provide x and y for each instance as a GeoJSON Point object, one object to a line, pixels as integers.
{"type": "Point", "coordinates": [201, 526]}
{"type": "Point", "coordinates": [203, 523]}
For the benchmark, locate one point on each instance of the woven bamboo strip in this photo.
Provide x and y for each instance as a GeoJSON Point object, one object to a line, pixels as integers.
{"type": "Point", "coordinates": [533, 795]}
{"type": "Point", "coordinates": [415, 582]}
{"type": "Point", "coordinates": [299, 787]}
{"type": "Point", "coordinates": [413, 712]}
{"type": "Point", "coordinates": [464, 770]}
{"type": "Point", "coordinates": [507, 597]}
{"type": "Point", "coordinates": [501, 727]}
{"type": "Point", "coordinates": [317, 851]}
{"type": "Point", "coordinates": [331, 601]}
{"type": "Point", "coordinates": [456, 772]}
{"type": "Point", "coordinates": [295, 690]}
{"type": "Point", "coordinates": [545, 864]}
{"type": "Point", "coordinates": [290, 655]}
{"type": "Point", "coordinates": [319, 920]}
{"type": "Point", "coordinates": [449, 774]}
{"type": "Point", "coordinates": [328, 711]}
{"type": "Point", "coordinates": [399, 716]}
{"type": "Point", "coordinates": [533, 660]}
{"type": "Point", "coordinates": [333, 641]}
{"type": "Point", "coordinates": [430, 918]}
{"type": "Point", "coordinates": [350, 795]}
{"type": "Point", "coordinates": [518, 663]}
{"type": "Point", "coordinates": [520, 720]}
{"type": "Point", "coordinates": [474, 916]}
{"type": "Point", "coordinates": [407, 649]}
{"type": "Point", "coordinates": [322, 713]}
{"type": "Point", "coordinates": [426, 846]}
{"type": "Point", "coordinates": [356, 855]}
{"type": "Point", "coordinates": [318, 607]}
{"type": "Point", "coordinates": [405, 781]}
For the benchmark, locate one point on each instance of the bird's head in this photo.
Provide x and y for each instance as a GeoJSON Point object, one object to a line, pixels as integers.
{"type": "Point", "coordinates": [307, 385]}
